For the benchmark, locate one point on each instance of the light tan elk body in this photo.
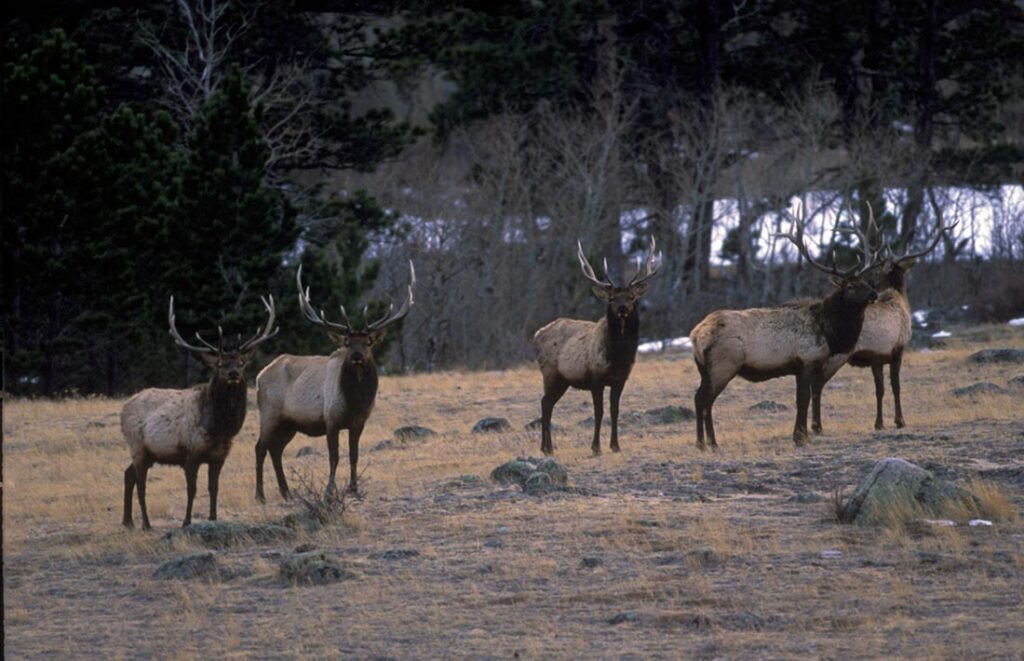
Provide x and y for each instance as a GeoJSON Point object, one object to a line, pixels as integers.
{"type": "Point", "coordinates": [885, 334]}
{"type": "Point", "coordinates": [321, 395]}
{"type": "Point", "coordinates": [593, 355]}
{"type": "Point", "coordinates": [765, 343]}
{"type": "Point", "coordinates": [190, 427]}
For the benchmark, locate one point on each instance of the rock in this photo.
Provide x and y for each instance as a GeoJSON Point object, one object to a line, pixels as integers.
{"type": "Point", "coordinates": [625, 616]}
{"type": "Point", "coordinates": [535, 425]}
{"type": "Point", "coordinates": [532, 474]}
{"type": "Point", "coordinates": [314, 568]}
{"type": "Point", "coordinates": [980, 388]}
{"type": "Point", "coordinates": [413, 433]}
{"type": "Point", "coordinates": [490, 425]}
{"type": "Point", "coordinates": [306, 451]}
{"type": "Point", "coordinates": [301, 521]}
{"type": "Point", "coordinates": [806, 497]}
{"type": "Point", "coordinates": [590, 561]}
{"type": "Point", "coordinates": [769, 406]}
{"type": "Point", "coordinates": [987, 356]}
{"type": "Point", "coordinates": [220, 534]}
{"type": "Point", "coordinates": [383, 445]}
{"type": "Point", "coordinates": [1016, 383]}
{"type": "Point", "coordinates": [397, 554]}
{"type": "Point", "coordinates": [704, 556]}
{"type": "Point", "coordinates": [896, 487]}
{"type": "Point", "coordinates": [305, 548]}
{"type": "Point", "coordinates": [201, 565]}
{"type": "Point", "coordinates": [666, 415]}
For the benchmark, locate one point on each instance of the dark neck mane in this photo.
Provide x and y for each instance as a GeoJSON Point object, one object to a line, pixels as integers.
{"type": "Point", "coordinates": [359, 386]}
{"type": "Point", "coordinates": [222, 409]}
{"type": "Point", "coordinates": [840, 322]}
{"type": "Point", "coordinates": [622, 342]}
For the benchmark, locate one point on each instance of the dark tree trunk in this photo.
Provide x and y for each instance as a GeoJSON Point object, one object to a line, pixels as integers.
{"type": "Point", "coordinates": [924, 128]}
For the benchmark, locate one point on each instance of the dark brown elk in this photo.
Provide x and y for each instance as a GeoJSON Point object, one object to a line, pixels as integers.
{"type": "Point", "coordinates": [795, 339]}
{"type": "Point", "coordinates": [321, 395]}
{"type": "Point", "coordinates": [593, 355]}
{"type": "Point", "coordinates": [190, 427]}
{"type": "Point", "coordinates": [885, 334]}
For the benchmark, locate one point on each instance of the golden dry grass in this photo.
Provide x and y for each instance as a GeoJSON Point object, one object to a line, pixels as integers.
{"type": "Point", "coordinates": [690, 554]}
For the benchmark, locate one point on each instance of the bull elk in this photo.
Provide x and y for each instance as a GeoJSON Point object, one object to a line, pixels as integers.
{"type": "Point", "coordinates": [795, 339]}
{"type": "Point", "coordinates": [321, 395]}
{"type": "Point", "coordinates": [886, 331]}
{"type": "Point", "coordinates": [190, 427]}
{"type": "Point", "coordinates": [592, 355]}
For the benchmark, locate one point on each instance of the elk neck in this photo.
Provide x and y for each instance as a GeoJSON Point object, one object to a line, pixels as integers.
{"type": "Point", "coordinates": [896, 279]}
{"type": "Point", "coordinates": [222, 408]}
{"type": "Point", "coordinates": [840, 322]}
{"type": "Point", "coordinates": [358, 384]}
{"type": "Point", "coordinates": [623, 336]}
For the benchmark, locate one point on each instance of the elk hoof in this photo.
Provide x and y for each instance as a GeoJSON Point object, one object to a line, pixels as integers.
{"type": "Point", "coordinates": [615, 448]}
{"type": "Point", "coordinates": [547, 450]}
{"type": "Point", "coordinates": [702, 447]}
{"type": "Point", "coordinates": [800, 438]}
{"type": "Point", "coordinates": [128, 524]}
{"type": "Point", "coordinates": [879, 425]}
{"type": "Point", "coordinates": [596, 451]}
{"type": "Point", "coordinates": [260, 498]}
{"type": "Point", "coordinates": [900, 424]}
{"type": "Point", "coordinates": [816, 429]}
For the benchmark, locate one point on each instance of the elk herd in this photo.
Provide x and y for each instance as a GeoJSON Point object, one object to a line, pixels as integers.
{"type": "Point", "coordinates": [859, 322]}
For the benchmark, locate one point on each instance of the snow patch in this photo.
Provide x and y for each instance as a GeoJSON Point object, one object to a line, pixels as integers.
{"type": "Point", "coordinates": [1019, 321]}
{"type": "Point", "coordinates": [942, 334]}
{"type": "Point", "coordinates": [920, 317]}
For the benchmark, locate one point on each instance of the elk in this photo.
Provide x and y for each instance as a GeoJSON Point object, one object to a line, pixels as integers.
{"type": "Point", "coordinates": [321, 395]}
{"type": "Point", "coordinates": [190, 427]}
{"type": "Point", "coordinates": [885, 334]}
{"type": "Point", "coordinates": [592, 355]}
{"type": "Point", "coordinates": [795, 339]}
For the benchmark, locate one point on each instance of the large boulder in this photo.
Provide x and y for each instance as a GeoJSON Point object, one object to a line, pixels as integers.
{"type": "Point", "coordinates": [986, 356]}
{"type": "Point", "coordinates": [895, 490]}
{"type": "Point", "coordinates": [314, 568]}
{"type": "Point", "coordinates": [532, 474]}
{"type": "Point", "coordinates": [220, 534]}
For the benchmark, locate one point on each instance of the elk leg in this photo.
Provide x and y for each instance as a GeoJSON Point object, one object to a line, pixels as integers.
{"type": "Point", "coordinates": [598, 396]}
{"type": "Point", "coordinates": [141, 468]}
{"type": "Point", "coordinates": [353, 456]}
{"type": "Point", "coordinates": [276, 452]}
{"type": "Point", "coordinates": [261, 456]}
{"type": "Point", "coordinates": [129, 489]}
{"type": "Point", "coordinates": [700, 405]}
{"type": "Point", "coordinates": [214, 486]}
{"type": "Point", "coordinates": [613, 399]}
{"type": "Point", "coordinates": [553, 392]}
{"type": "Point", "coordinates": [709, 422]}
{"type": "Point", "coordinates": [817, 385]}
{"type": "Point", "coordinates": [876, 371]}
{"type": "Point", "coordinates": [332, 451]}
{"type": "Point", "coordinates": [191, 475]}
{"type": "Point", "coordinates": [894, 381]}
{"type": "Point", "coordinates": [803, 396]}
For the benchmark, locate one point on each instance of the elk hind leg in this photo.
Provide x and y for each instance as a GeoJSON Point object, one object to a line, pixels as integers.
{"type": "Point", "coordinates": [876, 371]}
{"type": "Point", "coordinates": [598, 396]}
{"type": "Point", "coordinates": [894, 381]}
{"type": "Point", "coordinates": [803, 399]}
{"type": "Point", "coordinates": [553, 391]}
{"type": "Point", "coordinates": [141, 469]}
{"type": "Point", "coordinates": [353, 457]}
{"type": "Point", "coordinates": [129, 490]}
{"type": "Point", "coordinates": [614, 396]}
{"type": "Point", "coordinates": [191, 476]}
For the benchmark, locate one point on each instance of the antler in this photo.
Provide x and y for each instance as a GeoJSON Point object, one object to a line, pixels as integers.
{"type": "Point", "coordinates": [311, 314]}
{"type": "Point", "coordinates": [266, 333]}
{"type": "Point", "coordinates": [588, 270]}
{"type": "Point", "coordinates": [180, 341]}
{"type": "Point", "coordinates": [389, 318]}
{"type": "Point", "coordinates": [796, 236]}
{"type": "Point", "coordinates": [652, 265]}
{"type": "Point", "coordinates": [940, 229]}
{"type": "Point", "coordinates": [869, 259]}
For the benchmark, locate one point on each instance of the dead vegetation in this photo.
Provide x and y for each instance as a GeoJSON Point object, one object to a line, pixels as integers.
{"type": "Point", "coordinates": [656, 551]}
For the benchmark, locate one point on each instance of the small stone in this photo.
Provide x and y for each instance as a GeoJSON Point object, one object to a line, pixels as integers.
{"type": "Point", "coordinates": [307, 451]}
{"type": "Point", "coordinates": [383, 445]}
{"type": "Point", "coordinates": [491, 425]}
{"type": "Point", "coordinates": [195, 565]}
{"type": "Point", "coordinates": [589, 562]}
{"type": "Point", "coordinates": [537, 481]}
{"type": "Point", "coordinates": [1016, 383]}
{"type": "Point", "coordinates": [987, 356]}
{"type": "Point", "coordinates": [398, 554]}
{"type": "Point", "coordinates": [305, 548]}
{"type": "Point", "coordinates": [830, 554]}
{"type": "Point", "coordinates": [769, 406]}
{"type": "Point", "coordinates": [314, 568]}
{"type": "Point", "coordinates": [537, 425]}
{"type": "Point", "coordinates": [666, 415]}
{"type": "Point", "coordinates": [625, 616]}
{"type": "Point", "coordinates": [806, 497]}
{"type": "Point", "coordinates": [980, 388]}
{"type": "Point", "coordinates": [413, 433]}
{"type": "Point", "coordinates": [219, 534]}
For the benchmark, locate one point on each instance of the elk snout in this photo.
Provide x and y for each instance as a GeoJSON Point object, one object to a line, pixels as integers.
{"type": "Point", "coordinates": [623, 311]}
{"type": "Point", "coordinates": [357, 358]}
{"type": "Point", "coordinates": [234, 376]}
{"type": "Point", "coordinates": [873, 296]}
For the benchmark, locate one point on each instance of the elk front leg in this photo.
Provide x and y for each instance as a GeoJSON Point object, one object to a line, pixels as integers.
{"type": "Point", "coordinates": [876, 371]}
{"type": "Point", "coordinates": [129, 489]}
{"type": "Point", "coordinates": [613, 400]}
{"type": "Point", "coordinates": [803, 397]}
{"type": "Point", "coordinates": [191, 475]}
{"type": "Point", "coordinates": [817, 385]}
{"type": "Point", "coordinates": [894, 381]}
{"type": "Point", "coordinates": [214, 486]}
{"type": "Point", "coordinates": [276, 454]}
{"type": "Point", "coordinates": [598, 396]}
{"type": "Point", "coordinates": [332, 451]}
{"type": "Point", "coordinates": [261, 456]}
{"type": "Point", "coordinates": [141, 469]}
{"type": "Point", "coordinates": [353, 456]}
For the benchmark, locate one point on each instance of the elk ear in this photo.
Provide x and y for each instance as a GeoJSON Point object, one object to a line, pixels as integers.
{"type": "Point", "coordinates": [377, 335]}
{"type": "Point", "coordinates": [907, 263]}
{"type": "Point", "coordinates": [602, 293]}
{"type": "Point", "coordinates": [339, 339]}
{"type": "Point", "coordinates": [210, 358]}
{"type": "Point", "coordinates": [835, 280]}
{"type": "Point", "coordinates": [638, 289]}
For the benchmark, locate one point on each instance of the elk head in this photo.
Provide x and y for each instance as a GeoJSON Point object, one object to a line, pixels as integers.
{"type": "Point", "coordinates": [358, 344]}
{"type": "Point", "coordinates": [852, 289]}
{"type": "Point", "coordinates": [621, 300]}
{"type": "Point", "coordinates": [893, 268]}
{"type": "Point", "coordinates": [227, 359]}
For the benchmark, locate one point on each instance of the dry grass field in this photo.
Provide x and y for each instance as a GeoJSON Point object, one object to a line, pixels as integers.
{"type": "Point", "coordinates": [660, 551]}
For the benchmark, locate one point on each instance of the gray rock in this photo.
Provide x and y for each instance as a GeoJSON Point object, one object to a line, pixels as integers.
{"type": "Point", "coordinates": [537, 481]}
{"type": "Point", "coordinates": [397, 554]}
{"type": "Point", "coordinates": [220, 534]}
{"type": "Point", "coordinates": [413, 433]}
{"type": "Point", "coordinates": [769, 406]}
{"type": "Point", "coordinates": [201, 565]}
{"type": "Point", "coordinates": [625, 616]}
{"type": "Point", "coordinates": [383, 445]}
{"type": "Point", "coordinates": [536, 425]}
{"type": "Point", "coordinates": [590, 561]}
{"type": "Point", "coordinates": [1016, 383]}
{"type": "Point", "coordinates": [301, 521]}
{"type": "Point", "coordinates": [895, 485]}
{"type": "Point", "coordinates": [314, 568]}
{"type": "Point", "coordinates": [987, 356]}
{"type": "Point", "coordinates": [514, 472]}
{"type": "Point", "coordinates": [980, 388]}
{"type": "Point", "coordinates": [666, 415]}
{"type": "Point", "coordinates": [490, 425]}
{"type": "Point", "coordinates": [306, 451]}
{"type": "Point", "coordinates": [462, 482]}
{"type": "Point", "coordinates": [532, 474]}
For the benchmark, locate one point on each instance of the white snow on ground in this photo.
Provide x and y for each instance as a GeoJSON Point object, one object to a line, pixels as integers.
{"type": "Point", "coordinates": [942, 334]}
{"type": "Point", "coordinates": [654, 346]}
{"type": "Point", "coordinates": [650, 347]}
{"type": "Point", "coordinates": [920, 317]}
{"type": "Point", "coordinates": [1019, 321]}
